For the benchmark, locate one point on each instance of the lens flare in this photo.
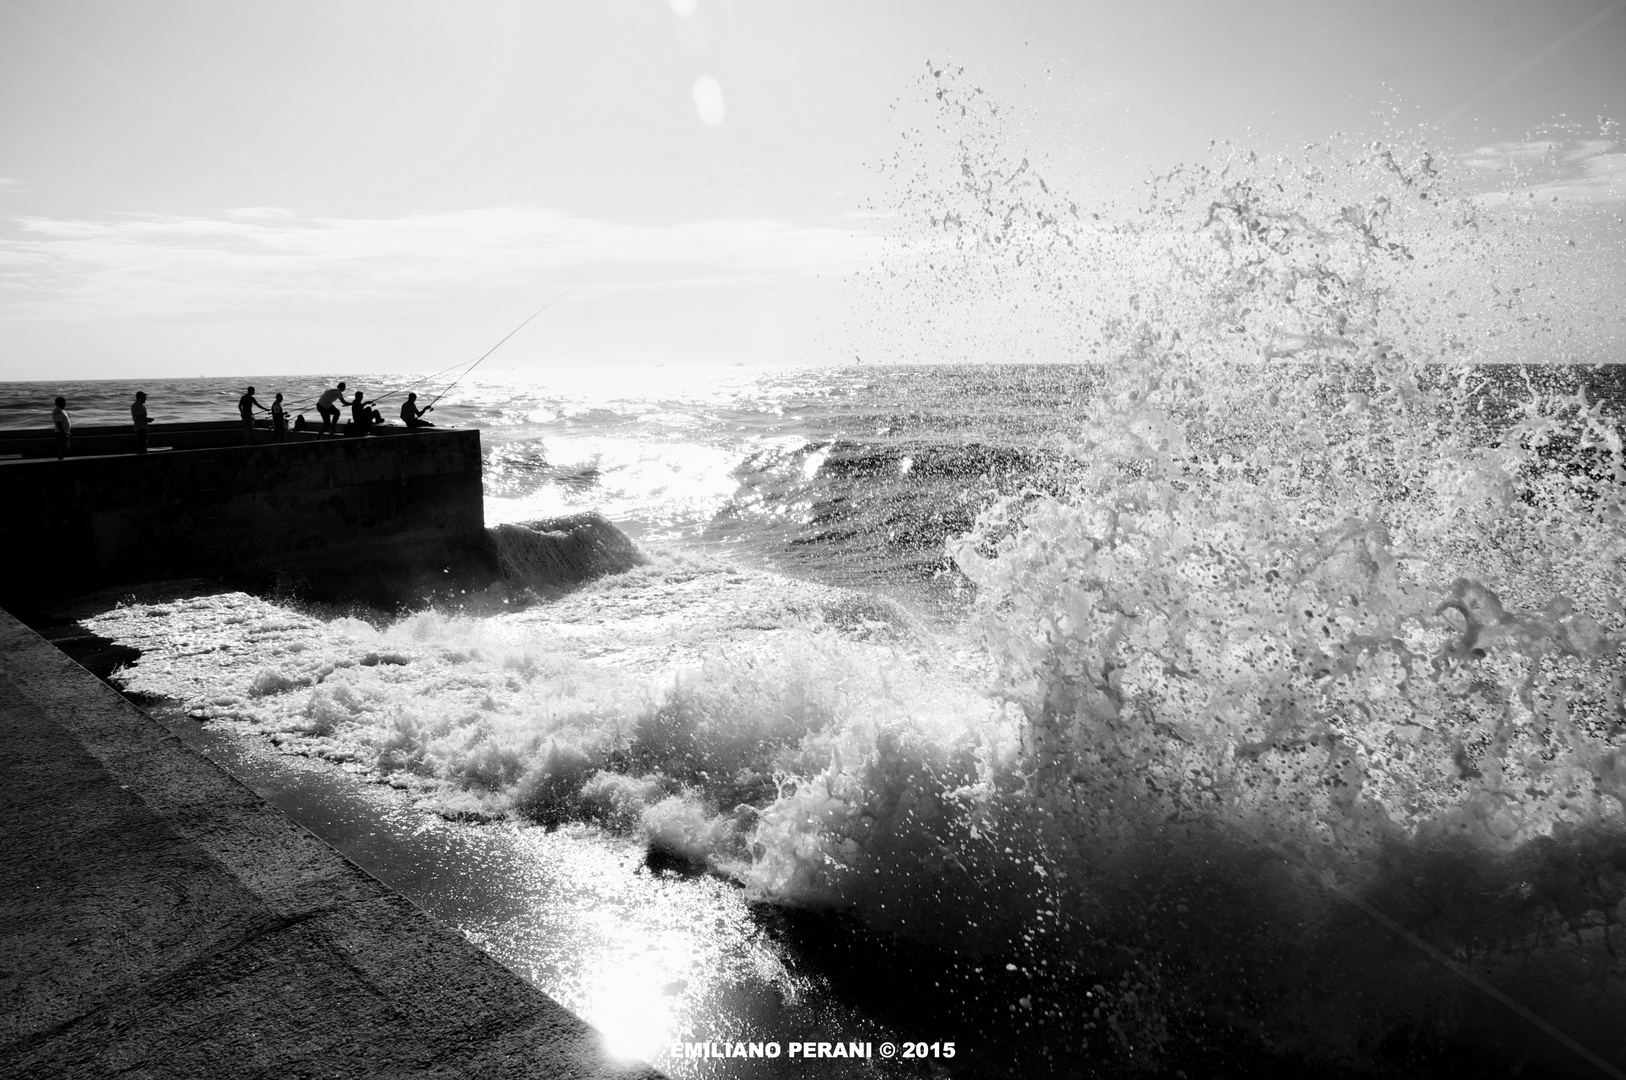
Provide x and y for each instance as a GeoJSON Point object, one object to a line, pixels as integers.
{"type": "Point", "coordinates": [708, 101]}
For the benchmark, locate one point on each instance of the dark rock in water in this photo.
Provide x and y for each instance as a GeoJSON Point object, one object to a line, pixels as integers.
{"type": "Point", "coordinates": [96, 654]}
{"type": "Point", "coordinates": [561, 553]}
{"type": "Point", "coordinates": [664, 859]}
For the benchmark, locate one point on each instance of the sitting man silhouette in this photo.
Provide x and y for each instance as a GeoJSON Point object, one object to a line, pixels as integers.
{"type": "Point", "coordinates": [411, 415]}
{"type": "Point", "coordinates": [363, 417]}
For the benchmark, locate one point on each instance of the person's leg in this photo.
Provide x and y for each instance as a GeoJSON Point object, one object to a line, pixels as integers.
{"type": "Point", "coordinates": [141, 440]}
{"type": "Point", "coordinates": [61, 446]}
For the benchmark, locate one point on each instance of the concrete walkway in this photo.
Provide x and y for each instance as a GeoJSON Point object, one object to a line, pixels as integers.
{"type": "Point", "coordinates": [159, 919]}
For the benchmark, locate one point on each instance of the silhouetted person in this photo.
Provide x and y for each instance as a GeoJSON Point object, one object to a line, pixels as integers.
{"type": "Point", "coordinates": [64, 428]}
{"type": "Point", "coordinates": [299, 422]}
{"type": "Point", "coordinates": [328, 408]}
{"type": "Point", "coordinates": [411, 415]}
{"type": "Point", "coordinates": [138, 414]}
{"type": "Point", "coordinates": [246, 406]}
{"type": "Point", "coordinates": [279, 421]}
{"type": "Point", "coordinates": [362, 415]}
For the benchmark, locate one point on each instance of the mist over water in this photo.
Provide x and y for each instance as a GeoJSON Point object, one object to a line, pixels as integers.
{"type": "Point", "coordinates": [1249, 691]}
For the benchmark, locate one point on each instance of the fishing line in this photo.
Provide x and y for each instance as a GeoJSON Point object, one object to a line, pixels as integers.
{"type": "Point", "coordinates": [303, 402]}
{"type": "Point", "coordinates": [1532, 62]}
{"type": "Point", "coordinates": [1459, 970]}
{"type": "Point", "coordinates": [497, 346]}
{"type": "Point", "coordinates": [424, 379]}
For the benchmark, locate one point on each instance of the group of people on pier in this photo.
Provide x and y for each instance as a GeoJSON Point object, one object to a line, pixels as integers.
{"type": "Point", "coordinates": [364, 417]}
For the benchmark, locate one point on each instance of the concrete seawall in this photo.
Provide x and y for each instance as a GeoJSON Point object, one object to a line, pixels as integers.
{"type": "Point", "coordinates": [159, 919]}
{"type": "Point", "coordinates": [339, 515]}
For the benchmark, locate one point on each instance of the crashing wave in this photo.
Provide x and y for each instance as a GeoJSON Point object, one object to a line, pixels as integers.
{"type": "Point", "coordinates": [561, 553]}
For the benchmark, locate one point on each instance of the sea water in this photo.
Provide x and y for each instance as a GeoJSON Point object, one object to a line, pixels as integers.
{"type": "Point", "coordinates": [1247, 691]}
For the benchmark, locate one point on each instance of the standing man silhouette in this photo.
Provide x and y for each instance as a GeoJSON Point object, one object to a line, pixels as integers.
{"type": "Point", "coordinates": [138, 414]}
{"type": "Point", "coordinates": [246, 406]}
{"type": "Point", "coordinates": [327, 407]}
{"type": "Point", "coordinates": [64, 428]}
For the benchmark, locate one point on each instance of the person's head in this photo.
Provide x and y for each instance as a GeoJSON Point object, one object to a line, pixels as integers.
{"type": "Point", "coordinates": [341, 386]}
{"type": "Point", "coordinates": [278, 397]}
{"type": "Point", "coordinates": [251, 391]}
{"type": "Point", "coordinates": [62, 403]}
{"type": "Point", "coordinates": [358, 395]}
{"type": "Point", "coordinates": [412, 397]}
{"type": "Point", "coordinates": [141, 395]}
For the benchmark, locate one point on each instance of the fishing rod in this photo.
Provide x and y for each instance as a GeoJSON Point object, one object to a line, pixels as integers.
{"type": "Point", "coordinates": [304, 401]}
{"type": "Point", "coordinates": [424, 379]}
{"type": "Point", "coordinates": [495, 347]}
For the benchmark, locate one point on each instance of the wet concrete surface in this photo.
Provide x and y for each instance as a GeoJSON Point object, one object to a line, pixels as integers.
{"type": "Point", "coordinates": [159, 919]}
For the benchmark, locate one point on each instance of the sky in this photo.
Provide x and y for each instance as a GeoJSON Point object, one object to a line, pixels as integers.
{"type": "Point", "coordinates": [191, 188]}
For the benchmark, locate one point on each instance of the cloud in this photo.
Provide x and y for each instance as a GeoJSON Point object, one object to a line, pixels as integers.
{"type": "Point", "coordinates": [262, 256]}
{"type": "Point", "coordinates": [258, 213]}
{"type": "Point", "coordinates": [1547, 171]}
{"type": "Point", "coordinates": [1498, 156]}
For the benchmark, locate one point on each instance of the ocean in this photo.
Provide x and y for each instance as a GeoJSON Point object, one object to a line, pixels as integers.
{"type": "Point", "coordinates": [1244, 700]}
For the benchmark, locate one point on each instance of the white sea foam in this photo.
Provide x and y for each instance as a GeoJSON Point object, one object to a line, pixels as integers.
{"type": "Point", "coordinates": [656, 488]}
{"type": "Point", "coordinates": [729, 671]}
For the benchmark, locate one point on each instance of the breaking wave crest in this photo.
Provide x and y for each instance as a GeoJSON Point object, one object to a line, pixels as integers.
{"type": "Point", "coordinates": [561, 553]}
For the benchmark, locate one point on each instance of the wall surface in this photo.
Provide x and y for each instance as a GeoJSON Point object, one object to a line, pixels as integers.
{"type": "Point", "coordinates": [159, 919]}
{"type": "Point", "coordinates": [374, 513]}
{"type": "Point", "coordinates": [120, 438]}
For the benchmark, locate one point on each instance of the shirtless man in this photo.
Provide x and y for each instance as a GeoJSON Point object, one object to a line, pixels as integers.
{"type": "Point", "coordinates": [245, 408]}
{"type": "Point", "coordinates": [327, 407]}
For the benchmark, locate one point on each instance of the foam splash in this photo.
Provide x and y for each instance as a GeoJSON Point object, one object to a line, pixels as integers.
{"type": "Point", "coordinates": [694, 678]}
{"type": "Point", "coordinates": [1325, 609]}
